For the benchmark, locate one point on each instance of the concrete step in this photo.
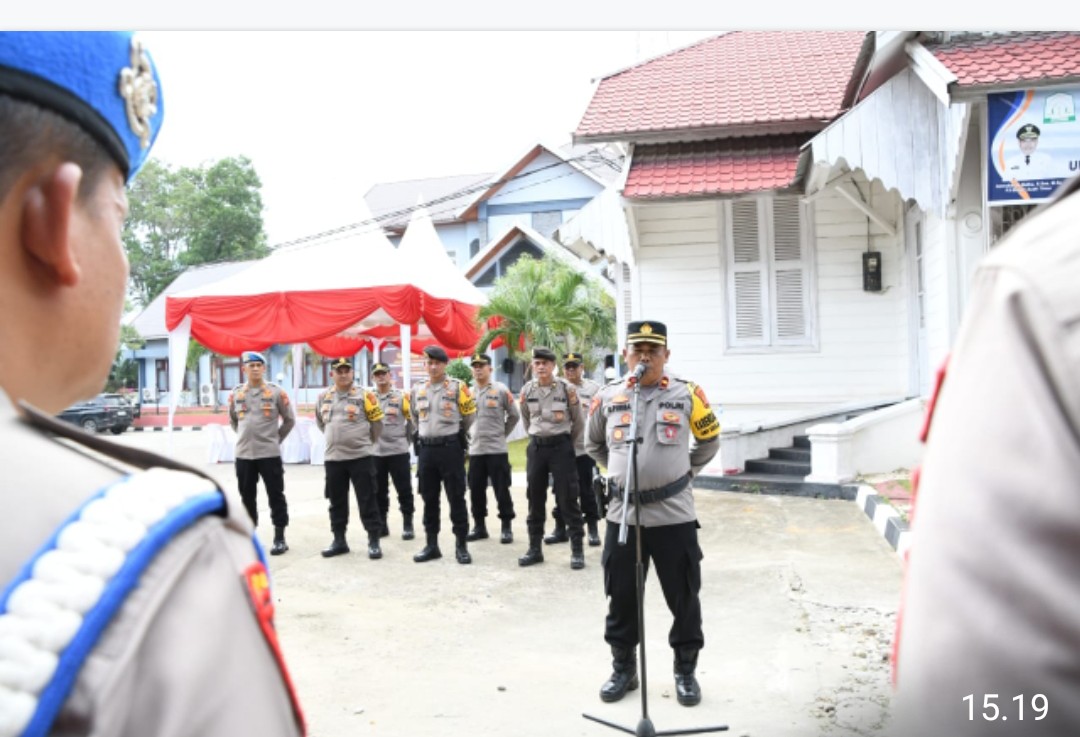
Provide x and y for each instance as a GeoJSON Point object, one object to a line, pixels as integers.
{"type": "Point", "coordinates": [781, 468]}
{"type": "Point", "coordinates": [754, 483]}
{"type": "Point", "coordinates": [801, 455]}
{"type": "Point", "coordinates": [801, 441]}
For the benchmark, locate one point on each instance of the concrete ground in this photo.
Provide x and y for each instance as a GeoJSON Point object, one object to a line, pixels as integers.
{"type": "Point", "coordinates": [799, 599]}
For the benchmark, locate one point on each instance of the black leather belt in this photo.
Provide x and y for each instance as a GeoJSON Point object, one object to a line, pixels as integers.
{"type": "Point", "coordinates": [439, 440]}
{"type": "Point", "coordinates": [650, 495]}
{"type": "Point", "coordinates": [551, 439]}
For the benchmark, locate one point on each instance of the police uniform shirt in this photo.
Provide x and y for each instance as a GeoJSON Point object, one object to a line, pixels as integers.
{"type": "Point", "coordinates": [397, 425]}
{"type": "Point", "coordinates": [990, 595]}
{"type": "Point", "coordinates": [551, 410]}
{"type": "Point", "coordinates": [254, 413]}
{"type": "Point", "coordinates": [679, 434]}
{"type": "Point", "coordinates": [496, 416]}
{"type": "Point", "coordinates": [189, 607]}
{"type": "Point", "coordinates": [352, 421]}
{"type": "Point", "coordinates": [586, 390]}
{"type": "Point", "coordinates": [442, 409]}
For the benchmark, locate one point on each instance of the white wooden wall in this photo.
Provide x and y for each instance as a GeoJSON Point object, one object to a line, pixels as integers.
{"type": "Point", "coordinates": [862, 350]}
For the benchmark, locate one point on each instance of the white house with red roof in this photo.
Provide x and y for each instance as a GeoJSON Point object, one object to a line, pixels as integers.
{"type": "Point", "coordinates": [805, 210]}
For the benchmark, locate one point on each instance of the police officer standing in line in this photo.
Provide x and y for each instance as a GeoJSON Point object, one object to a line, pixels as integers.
{"type": "Point", "coordinates": [586, 390]}
{"type": "Point", "coordinates": [392, 451]}
{"type": "Point", "coordinates": [496, 416]}
{"type": "Point", "coordinates": [551, 414]}
{"type": "Point", "coordinates": [988, 637]}
{"type": "Point", "coordinates": [78, 115]}
{"type": "Point", "coordinates": [678, 434]}
{"type": "Point", "coordinates": [254, 410]}
{"type": "Point", "coordinates": [445, 411]}
{"type": "Point", "coordinates": [352, 421]}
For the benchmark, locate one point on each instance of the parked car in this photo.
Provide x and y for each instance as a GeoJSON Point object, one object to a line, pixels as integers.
{"type": "Point", "coordinates": [104, 412]}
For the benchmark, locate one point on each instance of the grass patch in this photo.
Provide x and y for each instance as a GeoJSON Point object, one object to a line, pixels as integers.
{"type": "Point", "coordinates": [516, 449]}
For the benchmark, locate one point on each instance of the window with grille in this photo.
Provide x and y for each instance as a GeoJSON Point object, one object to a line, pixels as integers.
{"type": "Point", "coordinates": [768, 273]}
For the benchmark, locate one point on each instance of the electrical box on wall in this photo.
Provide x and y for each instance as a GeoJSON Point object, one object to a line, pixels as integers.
{"type": "Point", "coordinates": [871, 271]}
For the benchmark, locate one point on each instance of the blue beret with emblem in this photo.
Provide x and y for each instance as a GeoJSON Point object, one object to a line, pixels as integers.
{"type": "Point", "coordinates": [103, 81]}
{"type": "Point", "coordinates": [252, 357]}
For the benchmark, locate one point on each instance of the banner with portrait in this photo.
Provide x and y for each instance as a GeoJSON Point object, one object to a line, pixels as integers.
{"type": "Point", "coordinates": [1034, 144]}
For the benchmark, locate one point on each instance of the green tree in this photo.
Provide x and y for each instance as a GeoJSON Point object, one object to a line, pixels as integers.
{"type": "Point", "coordinates": [460, 370]}
{"type": "Point", "coordinates": [549, 303]}
{"type": "Point", "coordinates": [124, 372]}
{"type": "Point", "coordinates": [190, 216]}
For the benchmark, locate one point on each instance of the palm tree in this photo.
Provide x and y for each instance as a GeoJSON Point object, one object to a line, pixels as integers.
{"type": "Point", "coordinates": [546, 302]}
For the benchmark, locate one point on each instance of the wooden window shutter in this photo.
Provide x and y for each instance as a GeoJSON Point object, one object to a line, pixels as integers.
{"type": "Point", "coordinates": [747, 280]}
{"type": "Point", "coordinates": [790, 273]}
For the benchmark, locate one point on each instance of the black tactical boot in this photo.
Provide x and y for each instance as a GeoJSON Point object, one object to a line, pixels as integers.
{"type": "Point", "coordinates": [623, 677]}
{"type": "Point", "coordinates": [338, 547]}
{"type": "Point", "coordinates": [431, 550]}
{"type": "Point", "coordinates": [558, 535]}
{"type": "Point", "coordinates": [594, 535]}
{"type": "Point", "coordinates": [534, 554]}
{"type": "Point", "coordinates": [407, 532]}
{"type": "Point", "coordinates": [507, 535]}
{"type": "Point", "coordinates": [687, 689]}
{"type": "Point", "coordinates": [373, 550]}
{"type": "Point", "coordinates": [577, 554]}
{"type": "Point", "coordinates": [479, 532]}
{"type": "Point", "coordinates": [280, 546]}
{"type": "Point", "coordinates": [461, 551]}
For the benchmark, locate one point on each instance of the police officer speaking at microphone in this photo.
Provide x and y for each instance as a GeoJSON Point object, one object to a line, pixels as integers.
{"type": "Point", "coordinates": [133, 598]}
{"type": "Point", "coordinates": [551, 415]}
{"type": "Point", "coordinates": [255, 407]}
{"type": "Point", "coordinates": [351, 419]}
{"type": "Point", "coordinates": [677, 435]}
{"type": "Point", "coordinates": [445, 411]}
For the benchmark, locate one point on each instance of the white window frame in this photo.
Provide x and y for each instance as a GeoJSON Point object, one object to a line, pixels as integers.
{"type": "Point", "coordinates": [768, 266]}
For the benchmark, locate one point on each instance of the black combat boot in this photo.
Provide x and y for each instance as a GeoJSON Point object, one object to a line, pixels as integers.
{"type": "Point", "coordinates": [507, 535]}
{"type": "Point", "coordinates": [431, 550]}
{"type": "Point", "coordinates": [461, 551]}
{"type": "Point", "coordinates": [687, 689]}
{"type": "Point", "coordinates": [407, 532]}
{"type": "Point", "coordinates": [534, 554]}
{"type": "Point", "coordinates": [338, 547]}
{"type": "Point", "coordinates": [623, 677]}
{"type": "Point", "coordinates": [577, 554]}
{"type": "Point", "coordinates": [280, 546]}
{"type": "Point", "coordinates": [594, 535]}
{"type": "Point", "coordinates": [373, 550]}
{"type": "Point", "coordinates": [479, 532]}
{"type": "Point", "coordinates": [558, 535]}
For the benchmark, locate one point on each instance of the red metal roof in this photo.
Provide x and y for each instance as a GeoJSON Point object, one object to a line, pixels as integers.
{"type": "Point", "coordinates": [1034, 56]}
{"type": "Point", "coordinates": [742, 78]}
{"type": "Point", "coordinates": [722, 167]}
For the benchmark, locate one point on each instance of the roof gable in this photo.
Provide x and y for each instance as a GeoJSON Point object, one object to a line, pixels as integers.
{"type": "Point", "coordinates": [391, 203]}
{"type": "Point", "coordinates": [739, 83]}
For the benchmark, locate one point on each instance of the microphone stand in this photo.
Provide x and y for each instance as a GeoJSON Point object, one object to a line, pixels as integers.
{"type": "Point", "coordinates": [645, 727]}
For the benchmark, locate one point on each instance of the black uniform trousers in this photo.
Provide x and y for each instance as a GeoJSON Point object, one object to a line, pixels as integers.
{"type": "Point", "coordinates": [396, 468]}
{"type": "Point", "coordinates": [557, 460]}
{"type": "Point", "coordinates": [496, 468]}
{"type": "Point", "coordinates": [445, 465]}
{"type": "Point", "coordinates": [675, 550]}
{"type": "Point", "coordinates": [248, 471]}
{"type": "Point", "coordinates": [361, 471]}
{"type": "Point", "coordinates": [591, 512]}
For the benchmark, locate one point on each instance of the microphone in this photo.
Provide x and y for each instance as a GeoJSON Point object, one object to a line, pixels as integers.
{"type": "Point", "coordinates": [640, 371]}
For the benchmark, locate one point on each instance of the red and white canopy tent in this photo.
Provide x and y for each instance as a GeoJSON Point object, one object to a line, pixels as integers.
{"type": "Point", "coordinates": [334, 294]}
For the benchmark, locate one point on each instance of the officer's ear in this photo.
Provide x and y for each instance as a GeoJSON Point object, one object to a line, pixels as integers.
{"type": "Point", "coordinates": [46, 220]}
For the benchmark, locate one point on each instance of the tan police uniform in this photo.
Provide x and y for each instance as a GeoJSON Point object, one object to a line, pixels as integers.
{"type": "Point", "coordinates": [392, 459]}
{"type": "Point", "coordinates": [489, 460]}
{"type": "Point", "coordinates": [586, 467]}
{"type": "Point", "coordinates": [352, 421]}
{"type": "Point", "coordinates": [262, 418]}
{"type": "Point", "coordinates": [185, 654]}
{"type": "Point", "coordinates": [552, 417]}
{"type": "Point", "coordinates": [989, 615]}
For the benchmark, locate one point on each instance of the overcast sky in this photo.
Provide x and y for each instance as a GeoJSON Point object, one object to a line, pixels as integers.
{"type": "Point", "coordinates": [326, 115]}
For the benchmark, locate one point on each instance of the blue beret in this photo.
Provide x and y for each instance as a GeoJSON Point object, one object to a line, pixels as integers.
{"type": "Point", "coordinates": [104, 81]}
{"type": "Point", "coordinates": [251, 356]}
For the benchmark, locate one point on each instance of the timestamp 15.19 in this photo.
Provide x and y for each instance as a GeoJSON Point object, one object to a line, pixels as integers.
{"type": "Point", "coordinates": [991, 712]}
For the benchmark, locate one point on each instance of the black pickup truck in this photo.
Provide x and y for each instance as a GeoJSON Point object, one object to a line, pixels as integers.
{"type": "Point", "coordinates": [104, 412]}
